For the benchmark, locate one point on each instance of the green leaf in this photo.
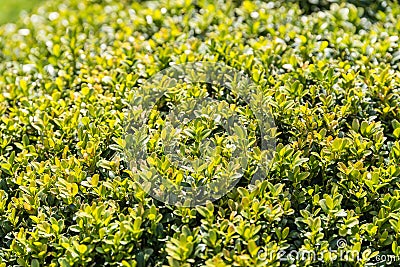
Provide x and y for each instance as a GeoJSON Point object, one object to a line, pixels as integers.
{"type": "Point", "coordinates": [324, 44]}
{"type": "Point", "coordinates": [81, 248]}
{"type": "Point", "coordinates": [252, 247]}
{"type": "Point", "coordinates": [140, 260]}
{"type": "Point", "coordinates": [35, 263]}
{"type": "Point", "coordinates": [75, 189]}
{"type": "Point", "coordinates": [285, 233]}
{"type": "Point", "coordinates": [396, 133]}
{"type": "Point", "coordinates": [95, 180]}
{"type": "Point", "coordinates": [329, 202]}
{"type": "Point", "coordinates": [63, 262]}
{"type": "Point", "coordinates": [355, 125]}
{"type": "Point", "coordinates": [23, 84]}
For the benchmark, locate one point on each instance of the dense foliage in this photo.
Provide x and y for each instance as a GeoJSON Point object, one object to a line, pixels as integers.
{"type": "Point", "coordinates": [69, 71]}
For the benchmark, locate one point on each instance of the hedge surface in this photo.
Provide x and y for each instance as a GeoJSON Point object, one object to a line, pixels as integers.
{"type": "Point", "coordinates": [68, 72]}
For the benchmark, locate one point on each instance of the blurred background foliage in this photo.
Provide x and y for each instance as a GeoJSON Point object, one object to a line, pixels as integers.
{"type": "Point", "coordinates": [10, 9]}
{"type": "Point", "coordinates": [370, 7]}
